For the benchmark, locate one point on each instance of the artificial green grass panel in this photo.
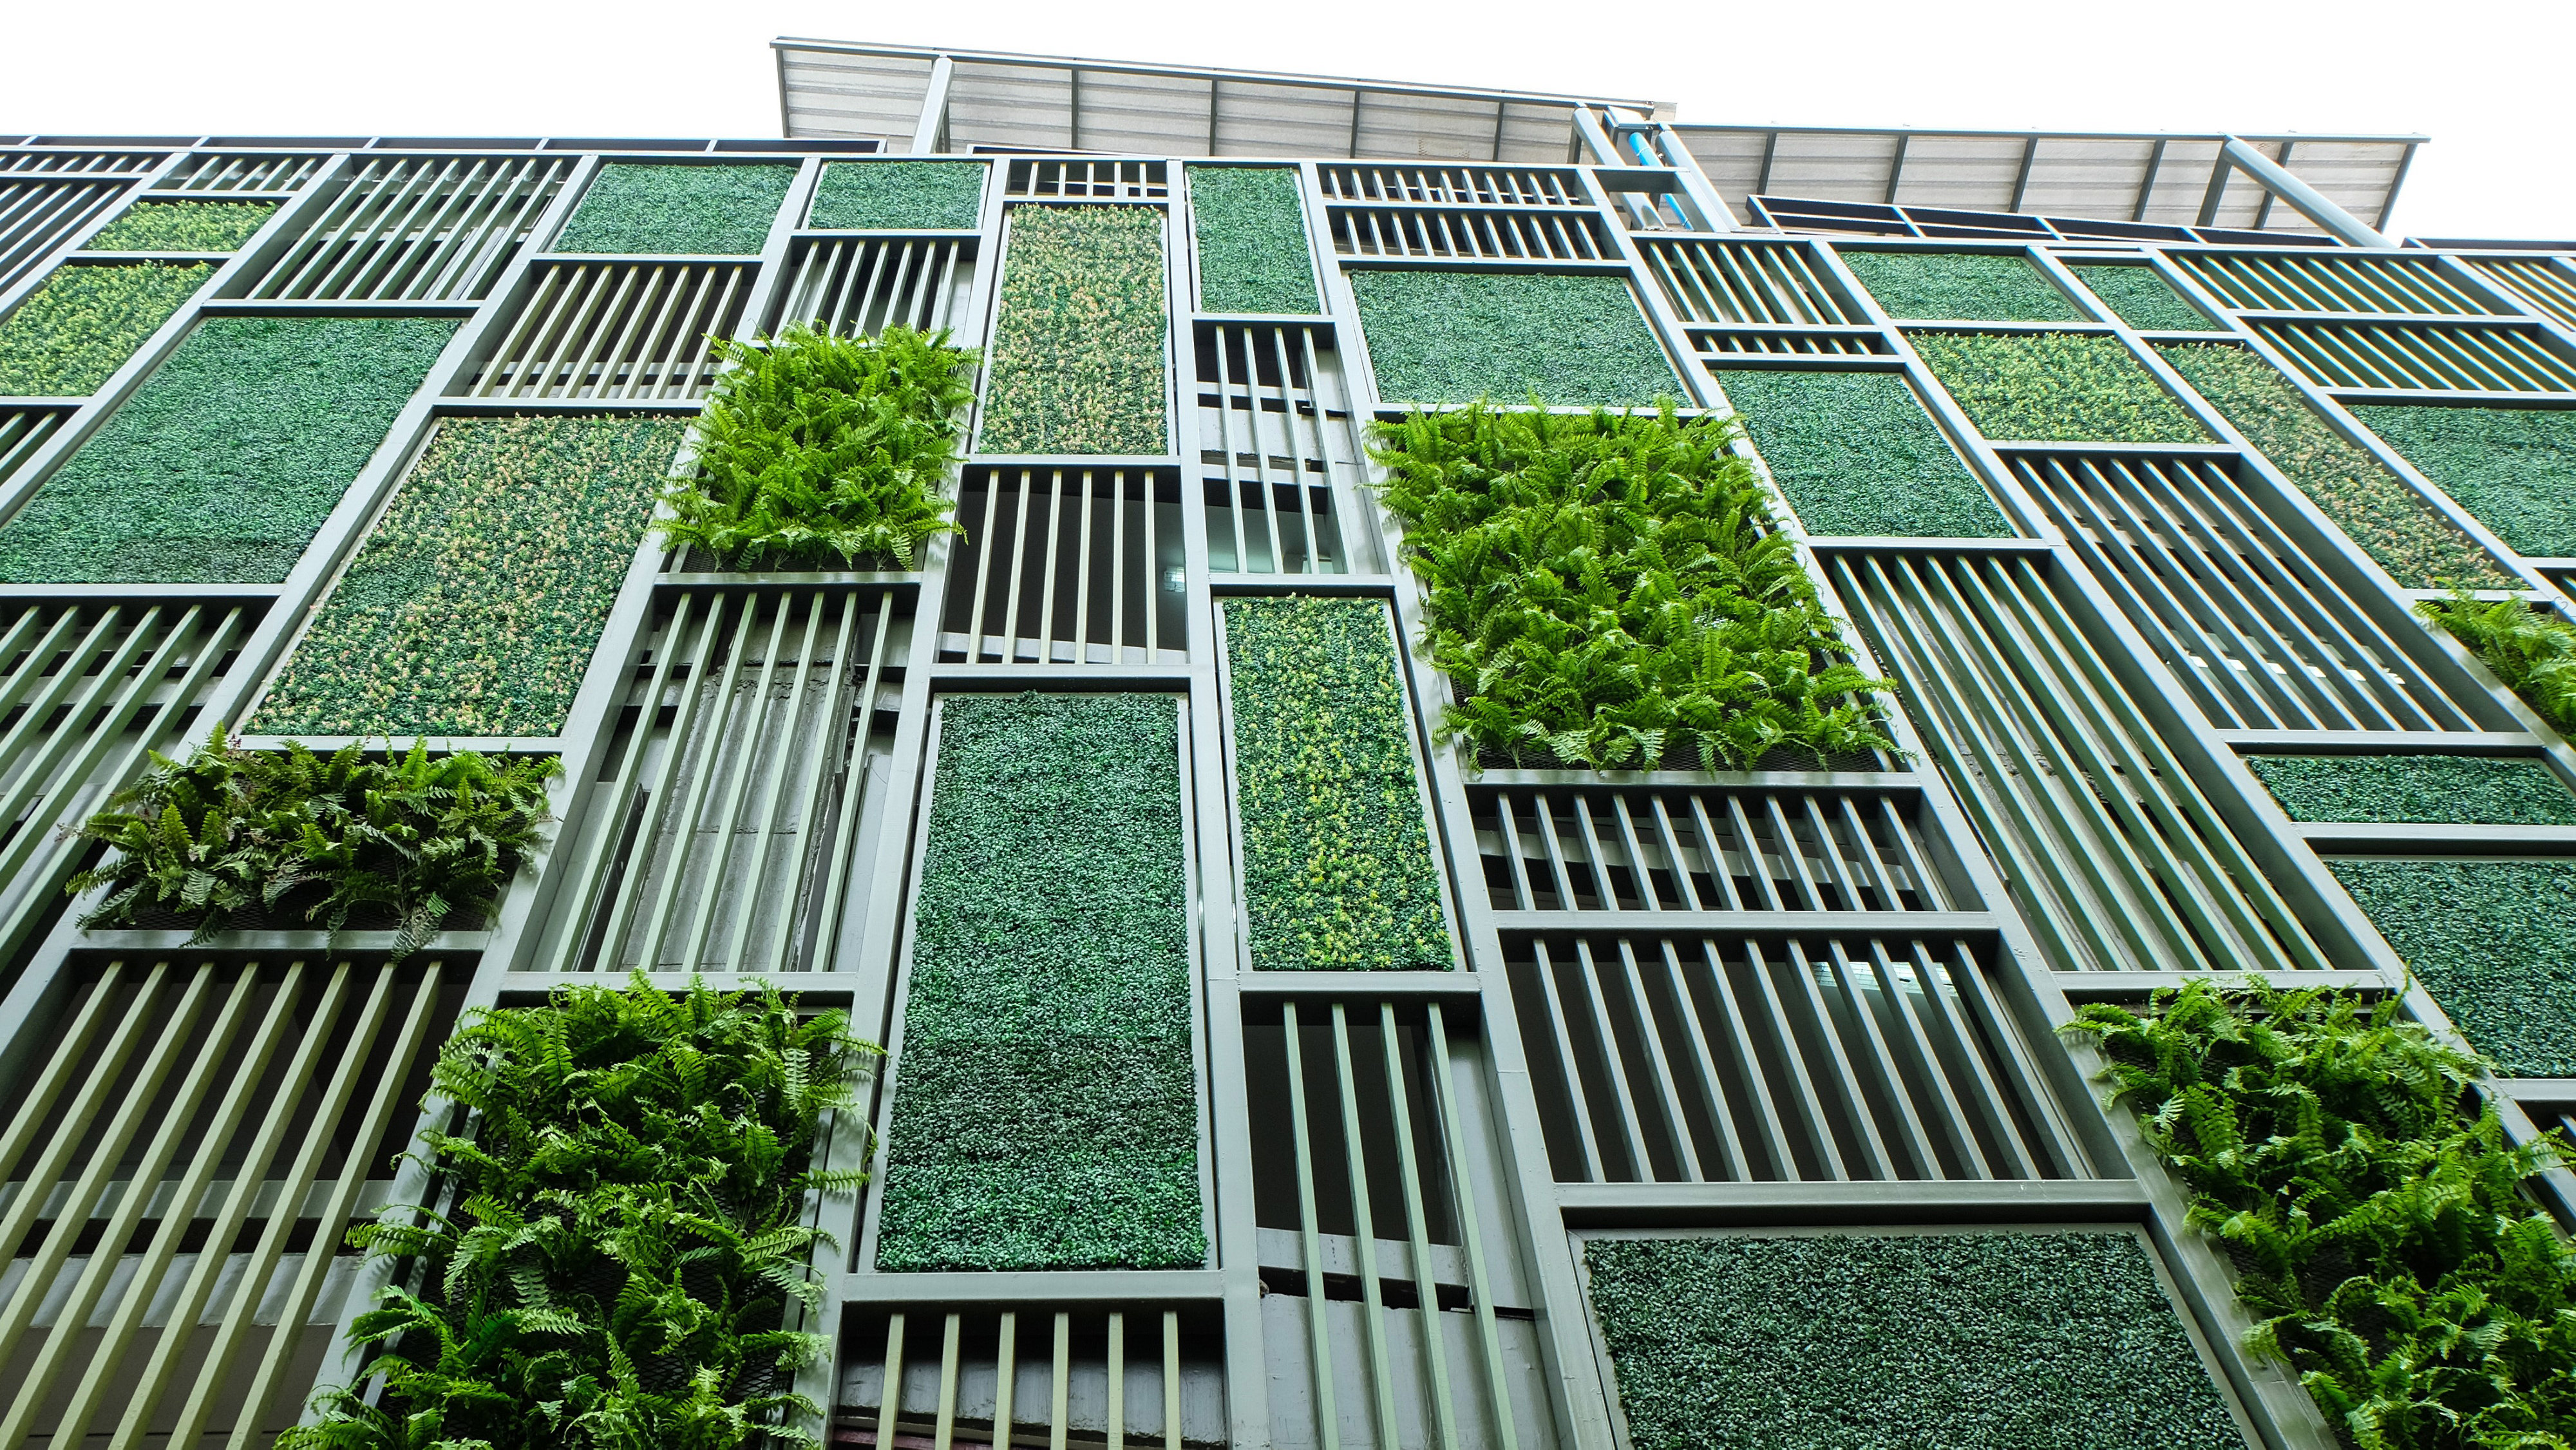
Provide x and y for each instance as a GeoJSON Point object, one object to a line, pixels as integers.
{"type": "Point", "coordinates": [2061, 1341]}
{"type": "Point", "coordinates": [723, 210]}
{"type": "Point", "coordinates": [2142, 299]}
{"type": "Point", "coordinates": [1454, 337]}
{"type": "Point", "coordinates": [2055, 387]}
{"type": "Point", "coordinates": [2393, 524]}
{"type": "Point", "coordinates": [1974, 286]}
{"type": "Point", "coordinates": [474, 605]}
{"type": "Point", "coordinates": [1077, 364]}
{"type": "Point", "coordinates": [1250, 226]}
{"type": "Point", "coordinates": [2491, 940]}
{"type": "Point", "coordinates": [182, 226]}
{"type": "Point", "coordinates": [1337, 864]}
{"type": "Point", "coordinates": [2514, 468]}
{"type": "Point", "coordinates": [1854, 453]}
{"type": "Point", "coordinates": [74, 331]}
{"type": "Point", "coordinates": [224, 463]}
{"type": "Point", "coordinates": [2431, 789]}
{"type": "Point", "coordinates": [1045, 1112]}
{"type": "Point", "coordinates": [895, 196]}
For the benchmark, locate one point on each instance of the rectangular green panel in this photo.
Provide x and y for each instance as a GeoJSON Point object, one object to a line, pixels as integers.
{"type": "Point", "coordinates": [1971, 286]}
{"type": "Point", "coordinates": [1338, 871]}
{"type": "Point", "coordinates": [2492, 941]}
{"type": "Point", "coordinates": [73, 332]}
{"type": "Point", "coordinates": [672, 209]}
{"type": "Point", "coordinates": [2513, 468]}
{"type": "Point", "coordinates": [1513, 337]}
{"type": "Point", "coordinates": [2432, 789]}
{"type": "Point", "coordinates": [1045, 1111]}
{"type": "Point", "coordinates": [473, 607]}
{"type": "Point", "coordinates": [1078, 350]}
{"type": "Point", "coordinates": [1854, 453]}
{"type": "Point", "coordinates": [1250, 226]}
{"type": "Point", "coordinates": [223, 465]}
{"type": "Point", "coordinates": [2060, 387]}
{"type": "Point", "coordinates": [894, 196]}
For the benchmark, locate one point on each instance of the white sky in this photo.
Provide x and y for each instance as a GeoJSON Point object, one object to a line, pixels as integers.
{"type": "Point", "coordinates": [2488, 83]}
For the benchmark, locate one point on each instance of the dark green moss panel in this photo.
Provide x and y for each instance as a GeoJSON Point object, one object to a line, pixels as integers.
{"type": "Point", "coordinates": [899, 196]}
{"type": "Point", "coordinates": [1454, 337]}
{"type": "Point", "coordinates": [81, 324]}
{"type": "Point", "coordinates": [2493, 941]}
{"type": "Point", "coordinates": [475, 603]}
{"type": "Point", "coordinates": [1078, 347]}
{"type": "Point", "coordinates": [1989, 1341]}
{"type": "Point", "coordinates": [2514, 468]}
{"type": "Point", "coordinates": [2058, 387]}
{"type": "Point", "coordinates": [1250, 226]}
{"type": "Point", "coordinates": [1337, 866]}
{"type": "Point", "coordinates": [182, 226]}
{"type": "Point", "coordinates": [2427, 789]}
{"type": "Point", "coordinates": [1854, 453]}
{"type": "Point", "coordinates": [1968, 286]}
{"type": "Point", "coordinates": [2142, 299]}
{"type": "Point", "coordinates": [1045, 1105]}
{"type": "Point", "coordinates": [224, 463]}
{"type": "Point", "coordinates": [672, 209]}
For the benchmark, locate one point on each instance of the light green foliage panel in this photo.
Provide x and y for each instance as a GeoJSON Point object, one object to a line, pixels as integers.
{"type": "Point", "coordinates": [182, 226]}
{"type": "Point", "coordinates": [1604, 582]}
{"type": "Point", "coordinates": [897, 196]}
{"type": "Point", "coordinates": [2493, 941]}
{"type": "Point", "coordinates": [1045, 1111]}
{"type": "Point", "coordinates": [2055, 387]}
{"type": "Point", "coordinates": [1250, 226]}
{"type": "Point", "coordinates": [1079, 346]}
{"type": "Point", "coordinates": [73, 332]}
{"type": "Point", "coordinates": [2514, 468]}
{"type": "Point", "coordinates": [1969, 286]}
{"type": "Point", "coordinates": [1854, 453]}
{"type": "Point", "coordinates": [1454, 337]}
{"type": "Point", "coordinates": [1338, 870]}
{"type": "Point", "coordinates": [2432, 789]}
{"type": "Point", "coordinates": [672, 209]}
{"type": "Point", "coordinates": [223, 465]}
{"type": "Point", "coordinates": [2060, 1341]}
{"type": "Point", "coordinates": [2374, 507]}
{"type": "Point", "coordinates": [2142, 299]}
{"type": "Point", "coordinates": [473, 607]}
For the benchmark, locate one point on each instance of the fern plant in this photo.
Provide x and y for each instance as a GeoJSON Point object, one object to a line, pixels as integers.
{"type": "Point", "coordinates": [2532, 650]}
{"type": "Point", "coordinates": [815, 448]}
{"type": "Point", "coordinates": [1606, 588]}
{"type": "Point", "coordinates": [232, 830]}
{"type": "Point", "coordinates": [624, 1235]}
{"type": "Point", "coordinates": [2374, 1208]}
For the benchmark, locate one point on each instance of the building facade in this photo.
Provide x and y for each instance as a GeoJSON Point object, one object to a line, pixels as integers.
{"type": "Point", "coordinates": [2127, 460]}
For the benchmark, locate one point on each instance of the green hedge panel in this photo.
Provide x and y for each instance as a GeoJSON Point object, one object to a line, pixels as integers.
{"type": "Point", "coordinates": [2055, 387]}
{"type": "Point", "coordinates": [1077, 364]}
{"type": "Point", "coordinates": [2142, 299]}
{"type": "Point", "coordinates": [2432, 789]}
{"type": "Point", "coordinates": [223, 465]}
{"type": "Point", "coordinates": [76, 329]}
{"type": "Point", "coordinates": [182, 226]}
{"type": "Point", "coordinates": [1854, 453]}
{"type": "Point", "coordinates": [1045, 1115]}
{"type": "Point", "coordinates": [1454, 337]}
{"type": "Point", "coordinates": [2058, 1341]}
{"type": "Point", "coordinates": [2492, 941]}
{"type": "Point", "coordinates": [1337, 864]}
{"type": "Point", "coordinates": [474, 606]}
{"type": "Point", "coordinates": [670, 209]}
{"type": "Point", "coordinates": [1250, 226]}
{"type": "Point", "coordinates": [2513, 468]}
{"type": "Point", "coordinates": [2374, 507]}
{"type": "Point", "coordinates": [1971, 286]}
{"type": "Point", "coordinates": [895, 196]}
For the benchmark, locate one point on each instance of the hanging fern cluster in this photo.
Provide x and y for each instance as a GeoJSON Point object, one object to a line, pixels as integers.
{"type": "Point", "coordinates": [625, 1240]}
{"type": "Point", "coordinates": [2532, 650]}
{"type": "Point", "coordinates": [2374, 1208]}
{"type": "Point", "coordinates": [1608, 590]}
{"type": "Point", "coordinates": [816, 449]}
{"type": "Point", "coordinates": [272, 833]}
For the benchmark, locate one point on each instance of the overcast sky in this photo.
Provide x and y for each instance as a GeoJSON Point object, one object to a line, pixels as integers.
{"type": "Point", "coordinates": [2490, 86]}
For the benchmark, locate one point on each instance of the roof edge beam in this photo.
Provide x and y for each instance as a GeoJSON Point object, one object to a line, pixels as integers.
{"type": "Point", "coordinates": [2304, 199]}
